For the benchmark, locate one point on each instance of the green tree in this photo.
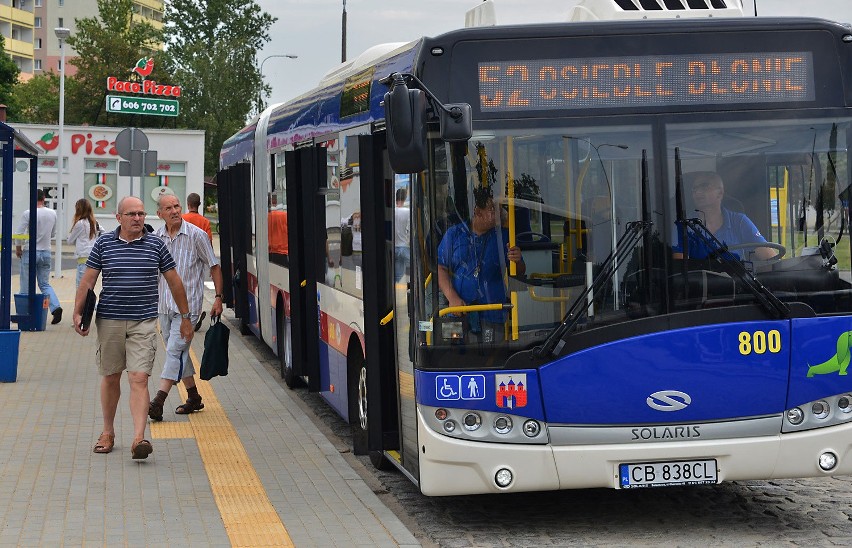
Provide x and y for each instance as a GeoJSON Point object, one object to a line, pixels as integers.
{"type": "Point", "coordinates": [109, 45]}
{"type": "Point", "coordinates": [211, 50]}
{"type": "Point", "coordinates": [38, 99]}
{"type": "Point", "coordinates": [9, 72]}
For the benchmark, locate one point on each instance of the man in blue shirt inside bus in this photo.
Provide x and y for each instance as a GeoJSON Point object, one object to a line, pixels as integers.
{"type": "Point", "coordinates": [729, 227]}
{"type": "Point", "coordinates": [470, 263]}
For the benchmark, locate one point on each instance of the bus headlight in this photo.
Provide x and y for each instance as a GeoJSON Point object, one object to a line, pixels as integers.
{"type": "Point", "coordinates": [795, 416]}
{"type": "Point", "coordinates": [820, 409]}
{"type": "Point", "coordinates": [827, 461]}
{"type": "Point", "coordinates": [472, 421]}
{"type": "Point", "coordinates": [531, 428]}
{"type": "Point", "coordinates": [450, 426]}
{"type": "Point", "coordinates": [502, 424]}
{"type": "Point", "coordinates": [503, 478]}
{"type": "Point", "coordinates": [441, 414]}
{"type": "Point", "coordinates": [844, 404]}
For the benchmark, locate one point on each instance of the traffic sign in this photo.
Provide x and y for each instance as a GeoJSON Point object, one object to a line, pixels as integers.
{"type": "Point", "coordinates": [130, 138]}
{"type": "Point", "coordinates": [125, 104]}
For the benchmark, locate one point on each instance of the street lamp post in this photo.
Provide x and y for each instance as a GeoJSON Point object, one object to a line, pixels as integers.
{"type": "Point", "coordinates": [62, 33]}
{"type": "Point", "coordinates": [343, 35]}
{"type": "Point", "coordinates": [260, 71]}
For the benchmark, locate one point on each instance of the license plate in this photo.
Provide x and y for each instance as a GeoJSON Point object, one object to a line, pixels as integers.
{"type": "Point", "coordinates": [666, 474]}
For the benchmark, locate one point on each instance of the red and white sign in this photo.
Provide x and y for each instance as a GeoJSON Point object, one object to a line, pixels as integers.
{"type": "Point", "coordinates": [149, 87]}
{"type": "Point", "coordinates": [143, 68]}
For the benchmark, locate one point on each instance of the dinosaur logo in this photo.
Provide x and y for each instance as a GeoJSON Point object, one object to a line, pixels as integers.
{"type": "Point", "coordinates": [838, 363]}
{"type": "Point", "coordinates": [48, 141]}
{"type": "Point", "coordinates": [144, 66]}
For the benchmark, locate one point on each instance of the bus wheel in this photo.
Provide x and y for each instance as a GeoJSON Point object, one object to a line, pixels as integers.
{"type": "Point", "coordinates": [380, 461]}
{"type": "Point", "coordinates": [284, 356]}
{"type": "Point", "coordinates": [358, 403]}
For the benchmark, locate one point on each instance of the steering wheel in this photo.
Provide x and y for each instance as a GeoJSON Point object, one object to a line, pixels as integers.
{"type": "Point", "coordinates": [777, 247]}
{"type": "Point", "coordinates": [534, 236]}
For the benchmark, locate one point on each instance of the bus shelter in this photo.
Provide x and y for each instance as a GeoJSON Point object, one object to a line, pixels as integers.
{"type": "Point", "coordinates": [14, 147]}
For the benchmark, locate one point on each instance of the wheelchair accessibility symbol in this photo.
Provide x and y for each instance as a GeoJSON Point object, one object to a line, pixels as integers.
{"type": "Point", "coordinates": [464, 387]}
{"type": "Point", "coordinates": [447, 387]}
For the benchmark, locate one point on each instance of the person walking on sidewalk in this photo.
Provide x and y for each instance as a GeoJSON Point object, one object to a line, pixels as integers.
{"type": "Point", "coordinates": [193, 202]}
{"type": "Point", "coordinates": [84, 232]}
{"type": "Point", "coordinates": [131, 261]}
{"type": "Point", "coordinates": [193, 255]}
{"type": "Point", "coordinates": [45, 230]}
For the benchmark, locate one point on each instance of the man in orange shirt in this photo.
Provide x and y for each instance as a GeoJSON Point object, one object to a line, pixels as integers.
{"type": "Point", "coordinates": [193, 202]}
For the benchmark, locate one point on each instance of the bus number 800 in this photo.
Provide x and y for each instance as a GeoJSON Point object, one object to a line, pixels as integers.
{"type": "Point", "coordinates": [759, 342]}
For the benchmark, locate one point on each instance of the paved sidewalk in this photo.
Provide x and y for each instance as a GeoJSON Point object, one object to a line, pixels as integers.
{"type": "Point", "coordinates": [248, 470]}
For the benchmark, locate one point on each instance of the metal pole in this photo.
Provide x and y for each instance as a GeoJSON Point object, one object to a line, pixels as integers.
{"type": "Point", "coordinates": [343, 36]}
{"type": "Point", "coordinates": [60, 209]}
{"type": "Point", "coordinates": [132, 148]}
{"type": "Point", "coordinates": [260, 72]}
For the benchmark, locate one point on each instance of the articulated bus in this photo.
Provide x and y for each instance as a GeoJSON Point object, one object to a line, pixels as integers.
{"type": "Point", "coordinates": [652, 338]}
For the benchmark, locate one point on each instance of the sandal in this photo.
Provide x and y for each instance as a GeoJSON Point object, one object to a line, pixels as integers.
{"type": "Point", "coordinates": [141, 449]}
{"type": "Point", "coordinates": [155, 410]}
{"type": "Point", "coordinates": [190, 406]}
{"type": "Point", "coordinates": [105, 443]}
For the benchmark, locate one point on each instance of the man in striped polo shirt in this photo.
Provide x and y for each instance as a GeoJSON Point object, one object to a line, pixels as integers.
{"type": "Point", "coordinates": [193, 255]}
{"type": "Point", "coordinates": [131, 261]}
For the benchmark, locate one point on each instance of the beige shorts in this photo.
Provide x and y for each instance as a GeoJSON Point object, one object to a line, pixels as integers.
{"type": "Point", "coordinates": [126, 345]}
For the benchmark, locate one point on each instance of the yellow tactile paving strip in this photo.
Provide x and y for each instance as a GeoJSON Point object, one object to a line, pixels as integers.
{"type": "Point", "coordinates": [248, 516]}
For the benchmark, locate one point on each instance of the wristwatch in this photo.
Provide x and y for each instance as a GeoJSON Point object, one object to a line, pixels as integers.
{"type": "Point", "coordinates": [218, 296]}
{"type": "Point", "coordinates": [186, 316]}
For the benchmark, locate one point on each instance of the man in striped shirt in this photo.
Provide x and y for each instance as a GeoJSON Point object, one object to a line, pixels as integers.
{"type": "Point", "coordinates": [131, 261]}
{"type": "Point", "coordinates": [193, 255]}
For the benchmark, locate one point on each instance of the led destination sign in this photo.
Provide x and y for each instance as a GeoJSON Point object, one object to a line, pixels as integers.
{"type": "Point", "coordinates": [646, 81]}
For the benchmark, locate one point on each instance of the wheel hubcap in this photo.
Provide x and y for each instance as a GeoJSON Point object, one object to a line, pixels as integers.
{"type": "Point", "coordinates": [362, 398]}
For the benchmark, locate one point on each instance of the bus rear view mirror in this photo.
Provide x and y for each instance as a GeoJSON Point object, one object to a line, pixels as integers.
{"type": "Point", "coordinates": [405, 110]}
{"type": "Point", "coordinates": [456, 122]}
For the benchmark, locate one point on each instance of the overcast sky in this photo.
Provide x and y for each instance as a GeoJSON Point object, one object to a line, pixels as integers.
{"type": "Point", "coordinates": [311, 29]}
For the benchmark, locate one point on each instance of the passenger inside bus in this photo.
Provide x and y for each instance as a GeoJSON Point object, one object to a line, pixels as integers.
{"type": "Point", "coordinates": [732, 228]}
{"type": "Point", "coordinates": [470, 268]}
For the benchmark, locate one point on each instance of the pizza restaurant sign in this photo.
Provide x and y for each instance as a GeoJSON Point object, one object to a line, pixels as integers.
{"type": "Point", "coordinates": [80, 142]}
{"type": "Point", "coordinates": [149, 87]}
{"type": "Point", "coordinates": [84, 143]}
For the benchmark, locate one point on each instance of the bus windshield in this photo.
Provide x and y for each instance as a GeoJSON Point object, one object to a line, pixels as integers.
{"type": "Point", "coordinates": [773, 194]}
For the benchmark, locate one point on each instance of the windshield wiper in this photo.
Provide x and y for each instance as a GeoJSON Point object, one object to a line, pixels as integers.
{"type": "Point", "coordinates": [734, 267]}
{"type": "Point", "coordinates": [632, 235]}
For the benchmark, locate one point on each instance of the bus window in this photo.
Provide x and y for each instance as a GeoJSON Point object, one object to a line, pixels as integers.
{"type": "Point", "coordinates": [343, 203]}
{"type": "Point", "coordinates": [277, 214]}
{"type": "Point", "coordinates": [774, 194]}
{"type": "Point", "coordinates": [553, 199]}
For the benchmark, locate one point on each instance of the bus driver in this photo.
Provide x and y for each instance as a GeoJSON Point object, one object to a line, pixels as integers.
{"type": "Point", "coordinates": [729, 227]}
{"type": "Point", "coordinates": [469, 265]}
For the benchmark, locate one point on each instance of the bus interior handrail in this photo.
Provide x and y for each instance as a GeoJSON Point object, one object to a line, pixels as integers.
{"type": "Point", "coordinates": [473, 308]}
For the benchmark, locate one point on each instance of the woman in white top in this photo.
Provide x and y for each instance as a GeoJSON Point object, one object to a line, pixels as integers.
{"type": "Point", "coordinates": [84, 232]}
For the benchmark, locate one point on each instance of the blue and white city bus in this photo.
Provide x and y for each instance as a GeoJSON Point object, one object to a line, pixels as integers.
{"type": "Point", "coordinates": [652, 340]}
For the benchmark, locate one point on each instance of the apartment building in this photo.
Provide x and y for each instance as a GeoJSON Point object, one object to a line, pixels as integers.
{"type": "Point", "coordinates": [46, 15]}
{"type": "Point", "coordinates": [17, 22]}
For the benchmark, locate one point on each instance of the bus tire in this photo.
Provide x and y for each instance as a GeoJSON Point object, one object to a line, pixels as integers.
{"type": "Point", "coordinates": [380, 461]}
{"type": "Point", "coordinates": [357, 381]}
{"type": "Point", "coordinates": [286, 363]}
